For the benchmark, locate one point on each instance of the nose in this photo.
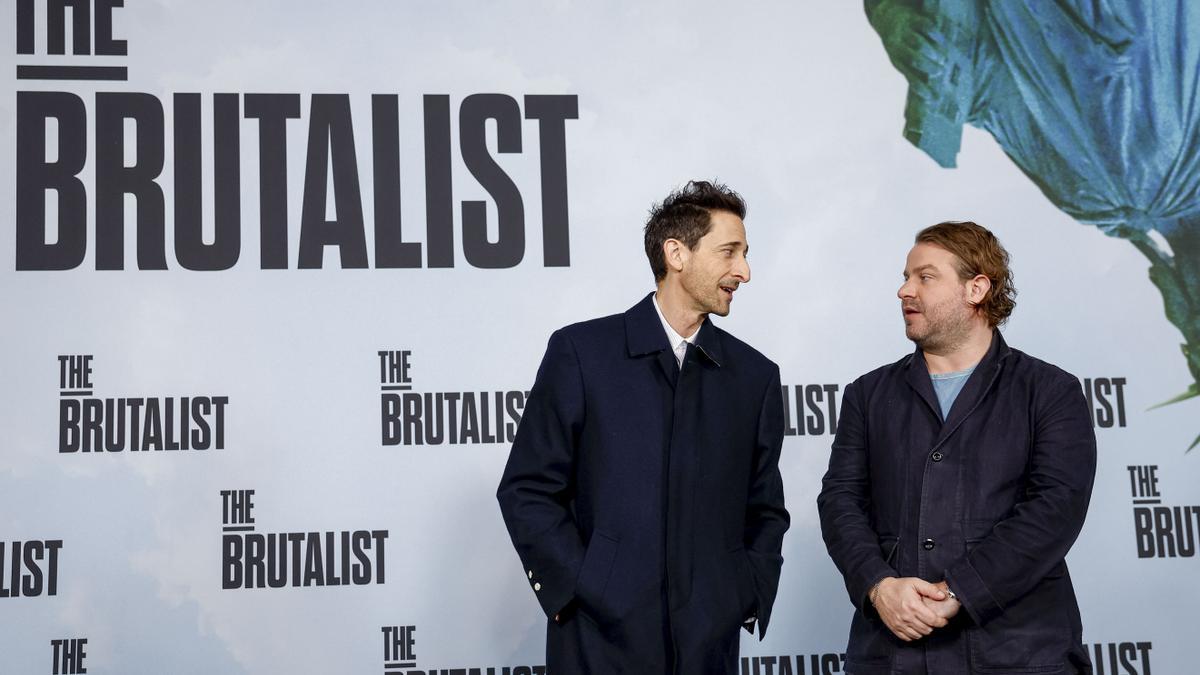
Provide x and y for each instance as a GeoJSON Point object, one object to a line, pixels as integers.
{"type": "Point", "coordinates": [906, 290]}
{"type": "Point", "coordinates": [741, 270]}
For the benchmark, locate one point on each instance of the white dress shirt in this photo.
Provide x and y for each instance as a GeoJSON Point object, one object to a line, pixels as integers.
{"type": "Point", "coordinates": [678, 342]}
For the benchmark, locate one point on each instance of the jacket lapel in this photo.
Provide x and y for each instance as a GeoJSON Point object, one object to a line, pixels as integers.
{"type": "Point", "coordinates": [644, 335]}
{"type": "Point", "coordinates": [977, 387]}
{"type": "Point", "coordinates": [708, 343]}
{"type": "Point", "coordinates": [918, 379]}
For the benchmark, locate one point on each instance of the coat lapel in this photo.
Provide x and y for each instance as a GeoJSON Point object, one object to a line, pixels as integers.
{"type": "Point", "coordinates": [644, 335]}
{"type": "Point", "coordinates": [976, 388]}
{"type": "Point", "coordinates": [918, 379]}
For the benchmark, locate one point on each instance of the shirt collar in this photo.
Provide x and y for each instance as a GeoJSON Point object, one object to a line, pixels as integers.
{"type": "Point", "coordinates": [674, 338]}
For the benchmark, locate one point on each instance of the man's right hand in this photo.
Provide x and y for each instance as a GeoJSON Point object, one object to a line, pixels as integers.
{"type": "Point", "coordinates": [900, 602]}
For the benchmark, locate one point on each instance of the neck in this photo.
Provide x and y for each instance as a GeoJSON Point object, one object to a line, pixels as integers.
{"type": "Point", "coordinates": [962, 355]}
{"type": "Point", "coordinates": [677, 308]}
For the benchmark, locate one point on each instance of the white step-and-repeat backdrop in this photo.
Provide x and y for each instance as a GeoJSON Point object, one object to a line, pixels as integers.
{"type": "Point", "coordinates": [275, 279]}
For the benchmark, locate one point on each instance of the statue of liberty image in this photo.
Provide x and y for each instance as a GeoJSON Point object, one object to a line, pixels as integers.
{"type": "Point", "coordinates": [1095, 100]}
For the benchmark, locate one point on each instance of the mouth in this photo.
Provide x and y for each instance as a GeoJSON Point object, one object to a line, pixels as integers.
{"type": "Point", "coordinates": [728, 290]}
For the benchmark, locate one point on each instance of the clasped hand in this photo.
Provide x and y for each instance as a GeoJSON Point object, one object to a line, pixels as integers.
{"type": "Point", "coordinates": [912, 608]}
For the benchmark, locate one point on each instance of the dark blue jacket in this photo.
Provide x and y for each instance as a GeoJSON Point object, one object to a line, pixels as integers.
{"type": "Point", "coordinates": [990, 500]}
{"type": "Point", "coordinates": [645, 501]}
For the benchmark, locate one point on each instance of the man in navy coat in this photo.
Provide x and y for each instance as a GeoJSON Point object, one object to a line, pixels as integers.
{"type": "Point", "coordinates": [643, 493]}
{"type": "Point", "coordinates": [959, 479]}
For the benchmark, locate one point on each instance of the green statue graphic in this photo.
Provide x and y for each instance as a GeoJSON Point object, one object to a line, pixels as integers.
{"type": "Point", "coordinates": [1096, 101]}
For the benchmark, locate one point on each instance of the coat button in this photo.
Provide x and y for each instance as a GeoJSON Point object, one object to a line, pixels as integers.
{"type": "Point", "coordinates": [530, 573]}
{"type": "Point", "coordinates": [537, 587]}
{"type": "Point", "coordinates": [928, 544]}
{"type": "Point", "coordinates": [936, 456]}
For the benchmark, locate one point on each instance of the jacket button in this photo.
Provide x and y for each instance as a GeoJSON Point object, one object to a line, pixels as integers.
{"type": "Point", "coordinates": [936, 456]}
{"type": "Point", "coordinates": [537, 587]}
{"type": "Point", "coordinates": [928, 545]}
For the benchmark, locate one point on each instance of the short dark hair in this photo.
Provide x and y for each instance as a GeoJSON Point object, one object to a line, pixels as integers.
{"type": "Point", "coordinates": [977, 251]}
{"type": "Point", "coordinates": [685, 215]}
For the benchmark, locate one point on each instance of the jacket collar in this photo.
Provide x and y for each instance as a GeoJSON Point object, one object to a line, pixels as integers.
{"type": "Point", "coordinates": [644, 333]}
{"type": "Point", "coordinates": [976, 386]}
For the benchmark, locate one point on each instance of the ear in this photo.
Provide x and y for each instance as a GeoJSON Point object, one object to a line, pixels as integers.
{"type": "Point", "coordinates": [977, 289]}
{"type": "Point", "coordinates": [675, 254]}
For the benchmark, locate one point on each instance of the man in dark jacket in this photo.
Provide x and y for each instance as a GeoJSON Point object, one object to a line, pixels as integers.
{"type": "Point", "coordinates": [643, 493]}
{"type": "Point", "coordinates": [959, 479]}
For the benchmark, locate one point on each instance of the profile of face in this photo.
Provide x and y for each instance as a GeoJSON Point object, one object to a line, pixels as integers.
{"type": "Point", "coordinates": [938, 306]}
{"type": "Point", "coordinates": [712, 272]}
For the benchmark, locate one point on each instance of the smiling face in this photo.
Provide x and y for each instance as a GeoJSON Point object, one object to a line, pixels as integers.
{"type": "Point", "coordinates": [717, 266]}
{"type": "Point", "coordinates": [937, 307]}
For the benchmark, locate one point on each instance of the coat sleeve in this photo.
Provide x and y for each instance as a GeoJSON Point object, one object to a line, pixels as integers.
{"type": "Point", "coordinates": [537, 486]}
{"type": "Point", "coordinates": [845, 497]}
{"type": "Point", "coordinates": [1024, 547]}
{"type": "Point", "coordinates": [766, 518]}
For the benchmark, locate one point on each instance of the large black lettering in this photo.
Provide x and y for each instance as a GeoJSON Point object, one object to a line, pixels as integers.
{"type": "Point", "coordinates": [380, 537]}
{"type": "Point", "coordinates": [813, 396]}
{"type": "Point", "coordinates": [69, 416]}
{"type": "Point", "coordinates": [105, 44]}
{"type": "Point", "coordinates": [435, 419]}
{"type": "Point", "coordinates": [1104, 414]}
{"type": "Point", "coordinates": [114, 425]}
{"type": "Point", "coordinates": [81, 26]}
{"type": "Point", "coordinates": [272, 112]}
{"type": "Point", "coordinates": [190, 249]}
{"type": "Point", "coordinates": [114, 180]}
{"type": "Point", "coordinates": [411, 414]}
{"type": "Point", "coordinates": [36, 174]}
{"type": "Point", "coordinates": [201, 407]}
{"type": "Point", "coordinates": [439, 194]}
{"type": "Point", "coordinates": [552, 112]}
{"type": "Point", "coordinates": [331, 140]}
{"type": "Point", "coordinates": [25, 31]}
{"type": "Point", "coordinates": [390, 248]}
{"type": "Point", "coordinates": [509, 247]}
{"type": "Point", "coordinates": [231, 561]}
{"type": "Point", "coordinates": [1143, 524]}
{"type": "Point", "coordinates": [31, 583]}
{"type": "Point", "coordinates": [389, 414]}
{"type": "Point", "coordinates": [219, 403]}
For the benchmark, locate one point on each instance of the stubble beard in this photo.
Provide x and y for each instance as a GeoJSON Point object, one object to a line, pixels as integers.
{"type": "Point", "coordinates": [948, 326]}
{"type": "Point", "coordinates": [706, 299]}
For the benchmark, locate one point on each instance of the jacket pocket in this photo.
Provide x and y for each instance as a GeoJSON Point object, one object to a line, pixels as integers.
{"type": "Point", "coordinates": [976, 530]}
{"type": "Point", "coordinates": [888, 546]}
{"type": "Point", "coordinates": [747, 594]}
{"type": "Point", "coordinates": [594, 573]}
{"type": "Point", "coordinates": [1024, 639]}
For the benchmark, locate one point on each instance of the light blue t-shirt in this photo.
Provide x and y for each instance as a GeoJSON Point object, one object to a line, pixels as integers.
{"type": "Point", "coordinates": [947, 386]}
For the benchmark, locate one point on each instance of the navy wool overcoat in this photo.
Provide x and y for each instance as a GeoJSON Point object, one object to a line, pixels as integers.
{"type": "Point", "coordinates": [645, 500]}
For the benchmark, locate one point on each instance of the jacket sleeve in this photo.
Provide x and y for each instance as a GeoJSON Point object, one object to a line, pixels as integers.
{"type": "Point", "coordinates": [845, 496]}
{"type": "Point", "coordinates": [537, 486]}
{"type": "Point", "coordinates": [766, 518]}
{"type": "Point", "coordinates": [1024, 547]}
